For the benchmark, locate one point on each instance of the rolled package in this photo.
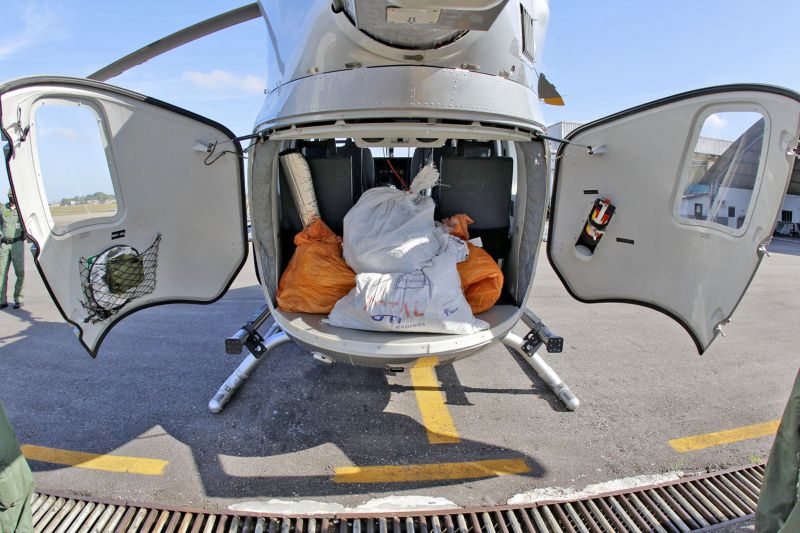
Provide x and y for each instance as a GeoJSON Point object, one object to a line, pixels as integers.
{"type": "Point", "coordinates": [298, 176]}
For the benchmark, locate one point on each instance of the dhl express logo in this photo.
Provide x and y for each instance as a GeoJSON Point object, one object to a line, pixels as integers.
{"type": "Point", "coordinates": [391, 318]}
{"type": "Point", "coordinates": [392, 305]}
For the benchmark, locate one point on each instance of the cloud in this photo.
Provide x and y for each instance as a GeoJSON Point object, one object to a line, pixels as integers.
{"type": "Point", "coordinates": [39, 24]}
{"type": "Point", "coordinates": [222, 80]}
{"type": "Point", "coordinates": [68, 134]}
{"type": "Point", "coordinates": [714, 126]}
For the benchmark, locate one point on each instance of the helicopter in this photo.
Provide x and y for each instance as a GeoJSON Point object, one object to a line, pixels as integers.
{"type": "Point", "coordinates": [636, 207]}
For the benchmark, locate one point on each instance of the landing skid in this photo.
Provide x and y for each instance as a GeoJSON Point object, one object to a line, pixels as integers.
{"type": "Point", "coordinates": [544, 371]}
{"type": "Point", "coordinates": [541, 336]}
{"type": "Point", "coordinates": [248, 337]}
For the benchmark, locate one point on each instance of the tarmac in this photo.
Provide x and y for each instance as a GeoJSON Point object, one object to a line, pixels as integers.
{"type": "Point", "coordinates": [133, 424]}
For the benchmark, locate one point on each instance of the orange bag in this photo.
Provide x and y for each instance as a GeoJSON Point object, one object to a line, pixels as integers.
{"type": "Point", "coordinates": [481, 277]}
{"type": "Point", "coordinates": [317, 276]}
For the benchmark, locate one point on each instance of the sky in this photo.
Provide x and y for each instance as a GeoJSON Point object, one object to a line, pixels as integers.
{"type": "Point", "coordinates": [602, 56]}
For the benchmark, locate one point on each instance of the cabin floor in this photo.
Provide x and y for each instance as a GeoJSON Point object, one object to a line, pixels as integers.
{"type": "Point", "coordinates": [298, 426]}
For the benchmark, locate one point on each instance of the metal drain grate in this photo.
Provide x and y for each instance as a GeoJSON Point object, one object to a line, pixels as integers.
{"type": "Point", "coordinates": [691, 504]}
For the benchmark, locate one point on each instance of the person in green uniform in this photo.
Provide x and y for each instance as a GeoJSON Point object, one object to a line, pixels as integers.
{"type": "Point", "coordinates": [12, 251]}
{"type": "Point", "coordinates": [779, 502]}
{"type": "Point", "coordinates": [16, 482]}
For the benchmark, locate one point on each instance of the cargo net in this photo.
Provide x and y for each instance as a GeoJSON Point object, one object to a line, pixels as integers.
{"type": "Point", "coordinates": [115, 277]}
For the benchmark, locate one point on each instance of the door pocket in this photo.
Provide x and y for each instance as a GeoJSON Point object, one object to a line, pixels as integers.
{"type": "Point", "coordinates": [115, 277]}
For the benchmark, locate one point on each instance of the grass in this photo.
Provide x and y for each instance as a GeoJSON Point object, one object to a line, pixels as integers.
{"type": "Point", "coordinates": [64, 215]}
{"type": "Point", "coordinates": [66, 210]}
{"type": "Point", "coordinates": [72, 213]}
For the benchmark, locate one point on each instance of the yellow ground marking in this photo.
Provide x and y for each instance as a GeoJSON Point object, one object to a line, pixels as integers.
{"type": "Point", "coordinates": [430, 472]}
{"type": "Point", "coordinates": [435, 416]}
{"type": "Point", "coordinates": [698, 442]}
{"type": "Point", "coordinates": [94, 461]}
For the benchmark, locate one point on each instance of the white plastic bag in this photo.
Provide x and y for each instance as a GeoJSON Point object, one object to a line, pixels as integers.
{"type": "Point", "coordinates": [428, 299]}
{"type": "Point", "coordinates": [390, 231]}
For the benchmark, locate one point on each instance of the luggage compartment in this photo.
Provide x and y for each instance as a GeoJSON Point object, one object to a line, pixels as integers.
{"type": "Point", "coordinates": [479, 178]}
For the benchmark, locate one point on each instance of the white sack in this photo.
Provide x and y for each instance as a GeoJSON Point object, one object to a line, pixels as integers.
{"type": "Point", "coordinates": [389, 230]}
{"type": "Point", "coordinates": [428, 299]}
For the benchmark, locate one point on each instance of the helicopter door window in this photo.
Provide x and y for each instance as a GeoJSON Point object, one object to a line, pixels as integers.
{"type": "Point", "coordinates": [73, 166]}
{"type": "Point", "coordinates": [721, 175]}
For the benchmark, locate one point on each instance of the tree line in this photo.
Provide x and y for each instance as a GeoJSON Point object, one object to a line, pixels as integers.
{"type": "Point", "coordinates": [99, 196]}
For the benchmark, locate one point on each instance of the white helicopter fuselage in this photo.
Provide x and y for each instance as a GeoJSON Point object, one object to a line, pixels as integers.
{"type": "Point", "coordinates": [330, 79]}
{"type": "Point", "coordinates": [320, 66]}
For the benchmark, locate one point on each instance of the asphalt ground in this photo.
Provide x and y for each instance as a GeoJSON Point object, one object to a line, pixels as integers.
{"type": "Point", "coordinates": [289, 434]}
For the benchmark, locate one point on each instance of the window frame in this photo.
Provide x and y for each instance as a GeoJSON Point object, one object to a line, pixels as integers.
{"type": "Point", "coordinates": [102, 124]}
{"type": "Point", "coordinates": [685, 173]}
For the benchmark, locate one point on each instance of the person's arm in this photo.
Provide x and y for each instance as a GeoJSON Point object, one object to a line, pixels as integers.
{"type": "Point", "coordinates": [16, 481]}
{"type": "Point", "coordinates": [778, 506]}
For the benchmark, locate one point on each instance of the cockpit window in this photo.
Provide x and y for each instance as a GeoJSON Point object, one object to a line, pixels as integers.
{"type": "Point", "coordinates": [723, 169]}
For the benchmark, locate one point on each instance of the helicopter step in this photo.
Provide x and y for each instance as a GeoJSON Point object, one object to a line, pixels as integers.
{"type": "Point", "coordinates": [258, 346]}
{"type": "Point", "coordinates": [540, 335]}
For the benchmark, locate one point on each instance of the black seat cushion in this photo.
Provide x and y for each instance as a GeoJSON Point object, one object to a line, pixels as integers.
{"type": "Point", "coordinates": [339, 176]}
{"type": "Point", "coordinates": [481, 188]}
{"type": "Point", "coordinates": [333, 186]}
{"type": "Point", "coordinates": [363, 167]}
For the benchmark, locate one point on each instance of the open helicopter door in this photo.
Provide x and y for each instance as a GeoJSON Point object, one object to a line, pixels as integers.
{"type": "Point", "coordinates": [124, 204]}
{"type": "Point", "coordinates": [673, 204]}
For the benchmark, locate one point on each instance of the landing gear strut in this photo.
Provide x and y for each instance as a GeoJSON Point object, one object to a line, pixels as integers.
{"type": "Point", "coordinates": [247, 337]}
{"type": "Point", "coordinates": [540, 336]}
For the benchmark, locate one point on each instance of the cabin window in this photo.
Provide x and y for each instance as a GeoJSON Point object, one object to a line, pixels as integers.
{"type": "Point", "coordinates": [73, 166]}
{"type": "Point", "coordinates": [722, 170]}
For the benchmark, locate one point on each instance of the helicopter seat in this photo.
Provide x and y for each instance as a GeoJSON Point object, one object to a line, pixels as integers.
{"type": "Point", "coordinates": [476, 181]}
{"type": "Point", "coordinates": [424, 156]}
{"type": "Point", "coordinates": [363, 167]}
{"type": "Point", "coordinates": [340, 175]}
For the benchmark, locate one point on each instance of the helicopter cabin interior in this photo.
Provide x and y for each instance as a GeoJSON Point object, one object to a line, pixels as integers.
{"type": "Point", "coordinates": [501, 185]}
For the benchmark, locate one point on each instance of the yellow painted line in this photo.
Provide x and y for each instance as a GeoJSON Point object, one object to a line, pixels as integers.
{"type": "Point", "coordinates": [435, 416]}
{"type": "Point", "coordinates": [94, 461]}
{"type": "Point", "coordinates": [430, 472]}
{"type": "Point", "coordinates": [698, 442]}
